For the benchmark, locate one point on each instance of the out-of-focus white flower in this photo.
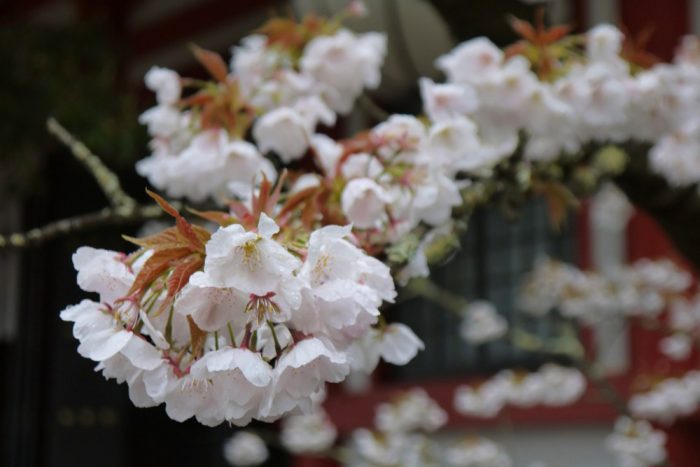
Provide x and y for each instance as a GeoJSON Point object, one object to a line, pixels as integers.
{"type": "Point", "coordinates": [165, 83]}
{"type": "Point", "coordinates": [551, 385]}
{"type": "Point", "coordinates": [669, 399]}
{"type": "Point", "coordinates": [637, 290]}
{"type": "Point", "coordinates": [474, 61]}
{"type": "Point", "coordinates": [308, 434]}
{"type": "Point", "coordinates": [604, 43]}
{"type": "Point", "coordinates": [562, 385]}
{"type": "Point", "coordinates": [378, 449]}
{"type": "Point", "coordinates": [410, 411]}
{"type": "Point", "coordinates": [283, 131]}
{"type": "Point", "coordinates": [485, 401]}
{"type": "Point", "coordinates": [344, 63]}
{"type": "Point", "coordinates": [245, 449]}
{"type": "Point", "coordinates": [364, 203]}
{"type": "Point", "coordinates": [207, 167]}
{"type": "Point", "coordinates": [476, 452]}
{"type": "Point", "coordinates": [397, 134]}
{"type": "Point", "coordinates": [446, 101]}
{"type": "Point", "coordinates": [482, 323]}
{"type": "Point", "coordinates": [676, 346]}
{"type": "Point", "coordinates": [675, 156]}
{"type": "Point", "coordinates": [636, 444]}
{"type": "Point", "coordinates": [327, 152]}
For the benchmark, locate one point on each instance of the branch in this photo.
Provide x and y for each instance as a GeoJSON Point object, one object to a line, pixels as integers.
{"type": "Point", "coordinates": [106, 179]}
{"type": "Point", "coordinates": [102, 218]}
{"type": "Point", "coordinates": [427, 289]}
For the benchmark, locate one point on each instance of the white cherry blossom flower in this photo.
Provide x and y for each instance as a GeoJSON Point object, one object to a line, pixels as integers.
{"type": "Point", "coordinates": [399, 344]}
{"type": "Point", "coordinates": [301, 372]}
{"type": "Point", "coordinates": [245, 449]}
{"type": "Point", "coordinates": [636, 444]}
{"type": "Point", "coordinates": [165, 83]}
{"type": "Point", "coordinates": [284, 131]}
{"type": "Point", "coordinates": [447, 101]}
{"type": "Point", "coordinates": [253, 263]}
{"type": "Point", "coordinates": [345, 63]}
{"type": "Point", "coordinates": [308, 434]}
{"type": "Point", "coordinates": [482, 323]}
{"type": "Point", "coordinates": [409, 411]}
{"type": "Point", "coordinates": [474, 61]}
{"type": "Point", "coordinates": [104, 272]}
{"type": "Point", "coordinates": [476, 452]}
{"type": "Point", "coordinates": [364, 203]}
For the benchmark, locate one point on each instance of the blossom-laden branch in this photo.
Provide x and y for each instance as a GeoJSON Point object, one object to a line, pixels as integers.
{"type": "Point", "coordinates": [123, 210]}
{"type": "Point", "coordinates": [105, 178]}
{"type": "Point", "coordinates": [102, 218]}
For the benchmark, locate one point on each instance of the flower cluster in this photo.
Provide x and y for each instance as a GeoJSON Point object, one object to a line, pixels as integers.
{"type": "Point", "coordinates": [311, 433]}
{"type": "Point", "coordinates": [684, 325]}
{"type": "Point", "coordinates": [642, 289]}
{"type": "Point", "coordinates": [561, 100]}
{"type": "Point", "coordinates": [400, 438]}
{"type": "Point", "coordinates": [668, 399]}
{"type": "Point", "coordinates": [636, 444]}
{"type": "Point", "coordinates": [247, 322]}
{"type": "Point", "coordinates": [282, 82]}
{"type": "Point", "coordinates": [476, 452]}
{"type": "Point", "coordinates": [551, 385]}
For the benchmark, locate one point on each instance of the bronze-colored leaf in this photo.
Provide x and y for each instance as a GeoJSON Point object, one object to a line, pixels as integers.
{"type": "Point", "coordinates": [184, 228]}
{"type": "Point", "coordinates": [182, 272]}
{"type": "Point", "coordinates": [212, 61]}
{"type": "Point", "coordinates": [154, 267]}
{"type": "Point", "coordinates": [559, 200]}
{"type": "Point", "coordinates": [218, 217]}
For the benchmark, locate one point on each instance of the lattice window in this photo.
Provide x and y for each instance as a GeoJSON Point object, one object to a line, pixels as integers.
{"type": "Point", "coordinates": [495, 254]}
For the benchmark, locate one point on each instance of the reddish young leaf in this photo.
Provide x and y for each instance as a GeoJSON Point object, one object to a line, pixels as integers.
{"type": "Point", "coordinates": [242, 213]}
{"type": "Point", "coordinates": [163, 240]}
{"type": "Point", "coordinates": [297, 198]}
{"type": "Point", "coordinates": [218, 217]}
{"type": "Point", "coordinates": [556, 33]}
{"type": "Point", "coordinates": [154, 267]}
{"type": "Point", "coordinates": [182, 272]}
{"type": "Point", "coordinates": [215, 65]}
{"type": "Point", "coordinates": [524, 29]}
{"type": "Point", "coordinates": [184, 227]}
{"type": "Point", "coordinates": [260, 201]}
{"type": "Point", "coordinates": [275, 196]}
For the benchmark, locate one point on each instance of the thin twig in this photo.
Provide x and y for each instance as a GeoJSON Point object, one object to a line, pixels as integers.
{"type": "Point", "coordinates": [106, 179]}
{"type": "Point", "coordinates": [425, 288]}
{"type": "Point", "coordinates": [604, 387]}
{"type": "Point", "coordinates": [372, 109]}
{"type": "Point", "coordinates": [102, 218]}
